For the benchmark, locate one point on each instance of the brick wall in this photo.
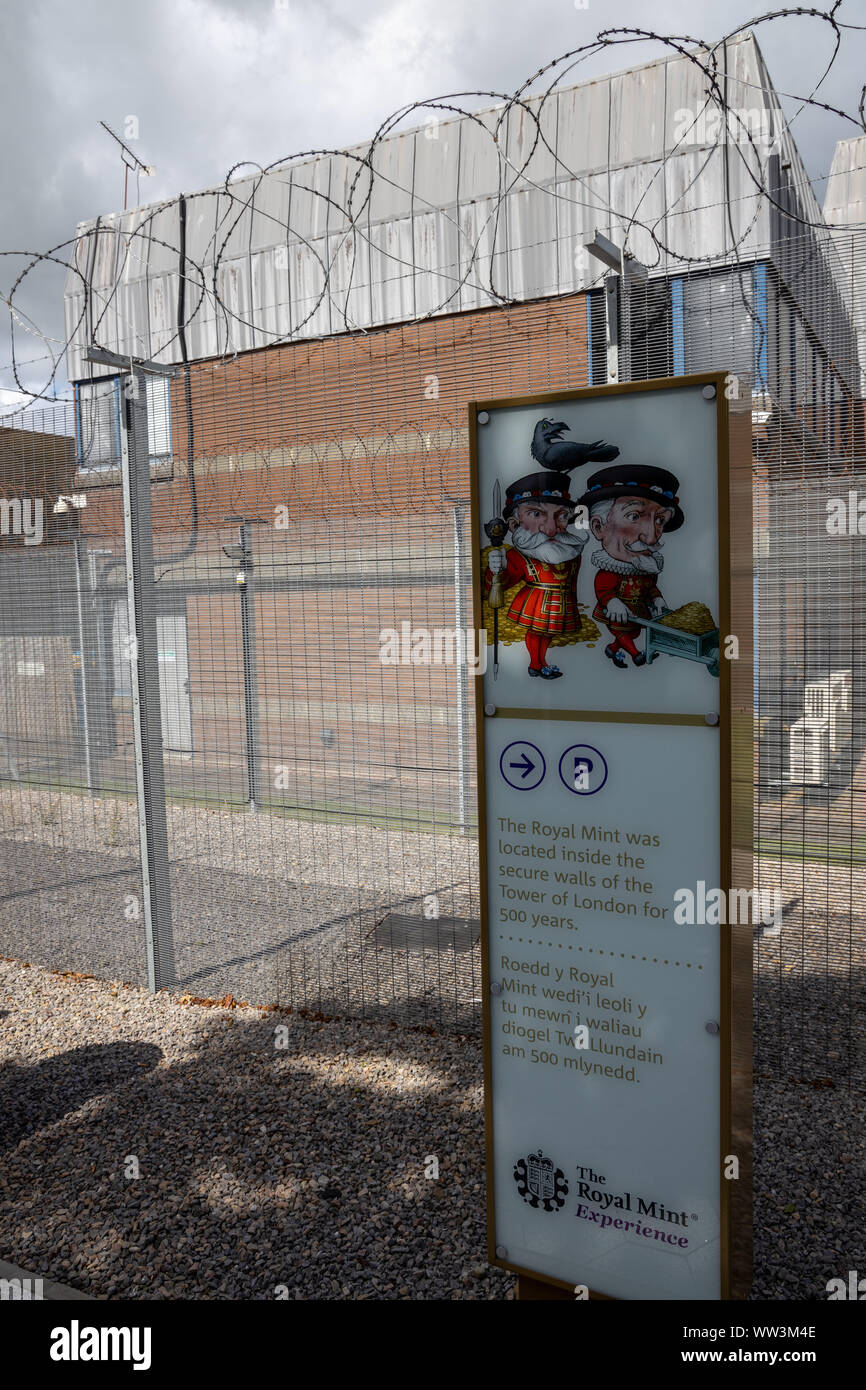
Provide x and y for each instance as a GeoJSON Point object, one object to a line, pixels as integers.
{"type": "Point", "coordinates": [349, 435]}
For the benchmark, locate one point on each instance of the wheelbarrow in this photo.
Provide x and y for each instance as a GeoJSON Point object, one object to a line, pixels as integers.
{"type": "Point", "coordinates": [662, 640]}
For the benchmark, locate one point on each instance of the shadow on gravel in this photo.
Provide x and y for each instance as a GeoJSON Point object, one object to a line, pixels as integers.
{"type": "Point", "coordinates": [263, 1168]}
{"type": "Point", "coordinates": [811, 1028]}
{"type": "Point", "coordinates": [33, 1097]}
{"type": "Point", "coordinates": [300, 1171]}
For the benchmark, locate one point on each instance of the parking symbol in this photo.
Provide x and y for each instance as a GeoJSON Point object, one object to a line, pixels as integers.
{"type": "Point", "coordinates": [582, 769]}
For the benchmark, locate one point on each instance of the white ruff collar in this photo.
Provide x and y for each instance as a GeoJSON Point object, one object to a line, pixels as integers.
{"type": "Point", "coordinates": [603, 561]}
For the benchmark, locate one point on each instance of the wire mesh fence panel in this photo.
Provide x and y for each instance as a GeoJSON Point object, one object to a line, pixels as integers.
{"type": "Point", "coordinates": [810, 823]}
{"type": "Point", "coordinates": [310, 594]}
{"type": "Point", "coordinates": [321, 817]}
{"type": "Point", "coordinates": [70, 867]}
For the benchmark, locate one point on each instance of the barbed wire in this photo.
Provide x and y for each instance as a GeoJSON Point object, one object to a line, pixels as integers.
{"type": "Point", "coordinates": [135, 235]}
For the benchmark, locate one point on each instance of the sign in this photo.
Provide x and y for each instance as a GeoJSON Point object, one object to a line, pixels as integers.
{"type": "Point", "coordinates": [612, 578]}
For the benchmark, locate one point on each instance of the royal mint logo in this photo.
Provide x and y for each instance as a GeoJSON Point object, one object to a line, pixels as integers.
{"type": "Point", "coordinates": [540, 1183]}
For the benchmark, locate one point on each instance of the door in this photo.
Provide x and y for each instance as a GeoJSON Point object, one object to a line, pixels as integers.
{"type": "Point", "coordinates": [174, 682]}
{"type": "Point", "coordinates": [171, 641]}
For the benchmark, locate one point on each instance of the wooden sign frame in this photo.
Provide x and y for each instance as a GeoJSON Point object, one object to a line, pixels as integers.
{"type": "Point", "coordinates": [736, 783]}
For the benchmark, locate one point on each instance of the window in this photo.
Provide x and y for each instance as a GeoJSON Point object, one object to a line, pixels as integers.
{"type": "Point", "coordinates": [158, 417]}
{"type": "Point", "coordinates": [760, 378]}
{"type": "Point", "coordinates": [97, 425]}
{"type": "Point", "coordinates": [678, 341]}
{"type": "Point", "coordinates": [651, 330]}
{"type": "Point", "coordinates": [650, 321]}
{"type": "Point", "coordinates": [792, 357]}
{"type": "Point", "coordinates": [717, 329]}
{"type": "Point", "coordinates": [97, 422]}
{"type": "Point", "coordinates": [596, 325]}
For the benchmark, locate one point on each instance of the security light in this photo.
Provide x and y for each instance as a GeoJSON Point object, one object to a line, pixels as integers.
{"type": "Point", "coordinates": [613, 256]}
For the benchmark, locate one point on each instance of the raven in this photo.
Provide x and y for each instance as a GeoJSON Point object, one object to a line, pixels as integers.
{"type": "Point", "coordinates": [561, 455]}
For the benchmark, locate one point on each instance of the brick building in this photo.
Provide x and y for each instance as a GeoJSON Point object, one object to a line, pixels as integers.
{"type": "Point", "coordinates": [330, 375]}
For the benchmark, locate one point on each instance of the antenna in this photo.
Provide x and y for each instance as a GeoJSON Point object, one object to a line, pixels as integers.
{"type": "Point", "coordinates": [136, 163]}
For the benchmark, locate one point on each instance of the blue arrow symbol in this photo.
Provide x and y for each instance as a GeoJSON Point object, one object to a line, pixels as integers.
{"type": "Point", "coordinates": [526, 763]}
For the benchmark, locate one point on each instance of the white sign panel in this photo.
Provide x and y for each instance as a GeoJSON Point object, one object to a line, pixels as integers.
{"type": "Point", "coordinates": [598, 584]}
{"type": "Point", "coordinates": [605, 1081]}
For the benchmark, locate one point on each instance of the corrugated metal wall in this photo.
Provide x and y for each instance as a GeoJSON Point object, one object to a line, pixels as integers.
{"type": "Point", "coordinates": [459, 214]}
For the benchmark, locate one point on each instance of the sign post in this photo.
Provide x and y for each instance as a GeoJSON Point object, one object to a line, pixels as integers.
{"type": "Point", "coordinates": [612, 556]}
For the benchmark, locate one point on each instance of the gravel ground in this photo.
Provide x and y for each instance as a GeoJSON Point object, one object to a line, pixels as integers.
{"type": "Point", "coordinates": [260, 1166]}
{"type": "Point", "coordinates": [267, 909]}
{"type": "Point", "coordinates": [343, 855]}
{"type": "Point", "coordinates": [810, 1194]}
{"type": "Point", "coordinates": [239, 1143]}
{"type": "Point", "coordinates": [273, 910]}
{"type": "Point", "coordinates": [304, 1166]}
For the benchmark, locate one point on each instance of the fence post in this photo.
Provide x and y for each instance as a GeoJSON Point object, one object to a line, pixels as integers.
{"type": "Point", "coordinates": [86, 660]}
{"type": "Point", "coordinates": [612, 320]}
{"type": "Point", "coordinates": [251, 683]}
{"type": "Point", "coordinates": [144, 657]}
{"type": "Point", "coordinates": [462, 672]}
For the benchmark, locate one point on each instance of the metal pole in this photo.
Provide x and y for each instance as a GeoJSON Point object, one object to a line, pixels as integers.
{"type": "Point", "coordinates": [462, 673]}
{"type": "Point", "coordinates": [80, 548]}
{"type": "Point", "coordinates": [101, 687]}
{"type": "Point", "coordinates": [251, 684]}
{"type": "Point", "coordinates": [144, 657]}
{"type": "Point", "coordinates": [611, 320]}
{"type": "Point", "coordinates": [624, 323]}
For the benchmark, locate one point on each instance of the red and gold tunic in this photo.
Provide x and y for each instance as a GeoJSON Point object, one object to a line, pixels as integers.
{"type": "Point", "coordinates": [637, 591]}
{"type": "Point", "coordinates": [547, 598]}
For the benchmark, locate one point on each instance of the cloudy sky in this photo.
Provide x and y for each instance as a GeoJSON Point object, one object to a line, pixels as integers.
{"type": "Point", "coordinates": [215, 82]}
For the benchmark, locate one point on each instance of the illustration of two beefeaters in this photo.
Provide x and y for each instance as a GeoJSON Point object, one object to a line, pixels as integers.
{"type": "Point", "coordinates": [530, 584]}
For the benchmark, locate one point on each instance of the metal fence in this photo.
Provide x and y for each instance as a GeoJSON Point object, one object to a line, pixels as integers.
{"type": "Point", "coordinates": [294, 822]}
{"type": "Point", "coordinates": [312, 809]}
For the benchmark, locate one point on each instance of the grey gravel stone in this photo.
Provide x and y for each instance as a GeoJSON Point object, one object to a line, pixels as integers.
{"type": "Point", "coordinates": [239, 1145]}
{"type": "Point", "coordinates": [259, 1167]}
{"type": "Point", "coordinates": [236, 1139]}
